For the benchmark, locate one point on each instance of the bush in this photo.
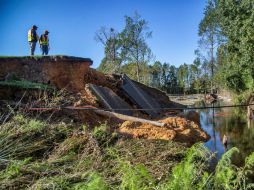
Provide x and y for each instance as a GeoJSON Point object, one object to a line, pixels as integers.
{"type": "Point", "coordinates": [103, 136]}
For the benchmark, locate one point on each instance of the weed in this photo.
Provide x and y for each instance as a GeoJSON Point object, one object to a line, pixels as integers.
{"type": "Point", "coordinates": [14, 168]}
{"type": "Point", "coordinates": [40, 155]}
{"type": "Point", "coordinates": [24, 84]}
{"type": "Point", "coordinates": [93, 182]}
{"type": "Point", "coordinates": [228, 176]}
{"type": "Point", "coordinates": [135, 177]}
{"type": "Point", "coordinates": [191, 172]}
{"type": "Point", "coordinates": [103, 136]}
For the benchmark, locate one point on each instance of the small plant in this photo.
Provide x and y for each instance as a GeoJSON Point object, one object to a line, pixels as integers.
{"type": "Point", "coordinates": [191, 172]}
{"type": "Point", "coordinates": [228, 176]}
{"type": "Point", "coordinates": [14, 168]}
{"type": "Point", "coordinates": [104, 136]}
{"type": "Point", "coordinates": [135, 177]}
{"type": "Point", "coordinates": [35, 126]}
{"type": "Point", "coordinates": [93, 182]}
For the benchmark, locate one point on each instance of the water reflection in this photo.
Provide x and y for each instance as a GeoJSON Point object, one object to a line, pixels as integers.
{"type": "Point", "coordinates": [231, 122]}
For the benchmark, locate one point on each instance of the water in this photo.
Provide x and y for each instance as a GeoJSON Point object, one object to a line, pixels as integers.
{"type": "Point", "coordinates": [234, 124]}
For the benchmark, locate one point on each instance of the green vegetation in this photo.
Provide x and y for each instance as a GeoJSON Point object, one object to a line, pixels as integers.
{"type": "Point", "coordinates": [63, 155]}
{"type": "Point", "coordinates": [224, 58]}
{"type": "Point", "coordinates": [229, 26]}
{"type": "Point", "coordinates": [20, 57]}
{"type": "Point", "coordinates": [128, 52]}
{"type": "Point", "coordinates": [24, 84]}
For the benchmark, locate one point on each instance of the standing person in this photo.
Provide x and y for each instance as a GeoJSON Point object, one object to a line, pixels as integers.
{"type": "Point", "coordinates": [32, 39]}
{"type": "Point", "coordinates": [44, 43]}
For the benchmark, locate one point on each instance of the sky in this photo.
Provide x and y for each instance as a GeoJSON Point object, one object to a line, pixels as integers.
{"type": "Point", "coordinates": [72, 25]}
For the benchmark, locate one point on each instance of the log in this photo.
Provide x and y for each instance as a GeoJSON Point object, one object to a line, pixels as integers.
{"type": "Point", "coordinates": [116, 115]}
{"type": "Point", "coordinates": [127, 118]}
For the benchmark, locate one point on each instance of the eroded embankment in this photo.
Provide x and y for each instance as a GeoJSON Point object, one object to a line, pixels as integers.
{"type": "Point", "coordinates": [52, 147]}
{"type": "Point", "coordinates": [77, 77]}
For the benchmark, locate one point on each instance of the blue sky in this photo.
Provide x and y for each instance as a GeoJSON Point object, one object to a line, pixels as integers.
{"type": "Point", "coordinates": [73, 23]}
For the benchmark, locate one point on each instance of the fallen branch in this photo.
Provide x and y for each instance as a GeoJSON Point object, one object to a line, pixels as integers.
{"type": "Point", "coordinates": [104, 113]}
{"type": "Point", "coordinates": [127, 118]}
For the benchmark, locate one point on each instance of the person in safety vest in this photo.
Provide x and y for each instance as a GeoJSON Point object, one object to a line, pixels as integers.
{"type": "Point", "coordinates": [44, 43]}
{"type": "Point", "coordinates": [32, 39]}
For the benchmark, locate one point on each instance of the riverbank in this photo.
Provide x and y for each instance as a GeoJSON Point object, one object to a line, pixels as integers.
{"type": "Point", "coordinates": [52, 137]}
{"type": "Point", "coordinates": [192, 99]}
{"type": "Point", "coordinates": [37, 154]}
{"type": "Point", "coordinates": [187, 99]}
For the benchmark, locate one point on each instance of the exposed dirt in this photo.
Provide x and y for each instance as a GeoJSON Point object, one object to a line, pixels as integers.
{"type": "Point", "coordinates": [176, 128]}
{"type": "Point", "coordinates": [94, 77]}
{"type": "Point", "coordinates": [60, 71]}
{"type": "Point", "coordinates": [75, 75]}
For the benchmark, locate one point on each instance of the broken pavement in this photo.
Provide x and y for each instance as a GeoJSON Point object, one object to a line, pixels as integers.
{"type": "Point", "coordinates": [115, 93]}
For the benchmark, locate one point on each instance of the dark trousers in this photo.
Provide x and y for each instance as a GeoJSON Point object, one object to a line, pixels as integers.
{"type": "Point", "coordinates": [32, 47]}
{"type": "Point", "coordinates": [45, 49]}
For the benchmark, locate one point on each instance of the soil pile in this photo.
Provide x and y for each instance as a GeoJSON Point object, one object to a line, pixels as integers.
{"type": "Point", "coordinates": [146, 131]}
{"type": "Point", "coordinates": [176, 128]}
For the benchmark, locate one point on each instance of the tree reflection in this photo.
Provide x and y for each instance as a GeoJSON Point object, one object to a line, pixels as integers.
{"type": "Point", "coordinates": [231, 122]}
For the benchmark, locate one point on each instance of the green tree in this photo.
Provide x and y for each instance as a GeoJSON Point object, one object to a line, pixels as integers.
{"type": "Point", "coordinates": [210, 35]}
{"type": "Point", "coordinates": [111, 63]}
{"type": "Point", "coordinates": [237, 23]}
{"type": "Point", "coordinates": [133, 40]}
{"type": "Point", "coordinates": [164, 76]}
{"type": "Point", "coordinates": [155, 73]}
{"type": "Point", "coordinates": [172, 80]}
{"type": "Point", "coordinates": [183, 77]}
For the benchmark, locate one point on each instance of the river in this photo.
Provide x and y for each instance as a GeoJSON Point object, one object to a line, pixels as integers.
{"type": "Point", "coordinates": [233, 123]}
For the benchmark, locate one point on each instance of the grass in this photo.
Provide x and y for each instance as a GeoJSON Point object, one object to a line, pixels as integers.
{"type": "Point", "coordinates": [29, 57]}
{"type": "Point", "coordinates": [18, 57]}
{"type": "Point", "coordinates": [23, 84]}
{"type": "Point", "coordinates": [62, 156]}
{"type": "Point", "coordinates": [37, 57]}
{"type": "Point", "coordinates": [54, 155]}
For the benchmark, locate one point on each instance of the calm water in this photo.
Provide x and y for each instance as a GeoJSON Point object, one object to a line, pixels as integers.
{"type": "Point", "coordinates": [232, 122]}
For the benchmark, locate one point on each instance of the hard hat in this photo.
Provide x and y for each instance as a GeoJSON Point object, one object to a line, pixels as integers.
{"type": "Point", "coordinates": [35, 27]}
{"type": "Point", "coordinates": [46, 32]}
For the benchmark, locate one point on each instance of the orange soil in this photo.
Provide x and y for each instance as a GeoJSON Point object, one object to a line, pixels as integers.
{"type": "Point", "coordinates": [176, 128]}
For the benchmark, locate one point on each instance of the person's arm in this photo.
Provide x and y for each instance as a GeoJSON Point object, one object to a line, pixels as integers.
{"type": "Point", "coordinates": [35, 36]}
{"type": "Point", "coordinates": [40, 41]}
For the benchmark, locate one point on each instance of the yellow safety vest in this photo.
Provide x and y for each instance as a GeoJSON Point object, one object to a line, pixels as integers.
{"type": "Point", "coordinates": [43, 40]}
{"type": "Point", "coordinates": [30, 37]}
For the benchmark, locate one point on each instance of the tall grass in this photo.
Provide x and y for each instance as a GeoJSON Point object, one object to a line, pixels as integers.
{"type": "Point", "coordinates": [37, 155]}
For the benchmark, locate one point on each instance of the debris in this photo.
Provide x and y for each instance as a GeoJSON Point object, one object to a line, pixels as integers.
{"type": "Point", "coordinates": [117, 93]}
{"type": "Point", "coordinates": [140, 97]}
{"type": "Point", "coordinates": [110, 100]}
{"type": "Point", "coordinates": [210, 98]}
{"type": "Point", "coordinates": [128, 118]}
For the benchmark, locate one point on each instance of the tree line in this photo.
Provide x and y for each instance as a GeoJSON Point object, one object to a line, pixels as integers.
{"type": "Point", "coordinates": [128, 52]}
{"type": "Point", "coordinates": [227, 36]}
{"type": "Point", "coordinates": [224, 56]}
